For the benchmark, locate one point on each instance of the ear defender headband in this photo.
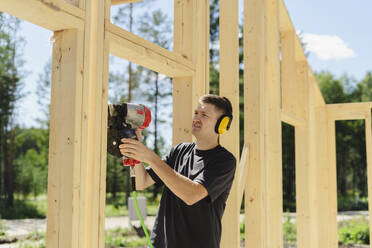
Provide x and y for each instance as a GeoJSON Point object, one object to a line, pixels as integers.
{"type": "Point", "coordinates": [224, 122]}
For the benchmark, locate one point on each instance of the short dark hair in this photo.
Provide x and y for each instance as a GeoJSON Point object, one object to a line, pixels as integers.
{"type": "Point", "coordinates": [220, 103]}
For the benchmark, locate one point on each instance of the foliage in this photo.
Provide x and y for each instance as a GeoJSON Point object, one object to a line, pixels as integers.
{"type": "Point", "coordinates": [22, 209]}
{"type": "Point", "coordinates": [289, 230]}
{"type": "Point", "coordinates": [10, 92]}
{"type": "Point", "coordinates": [354, 232]}
{"type": "Point", "coordinates": [2, 228]}
{"type": "Point", "coordinates": [31, 164]}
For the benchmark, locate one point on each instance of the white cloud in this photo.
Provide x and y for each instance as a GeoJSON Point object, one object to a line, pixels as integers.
{"type": "Point", "coordinates": [327, 47]}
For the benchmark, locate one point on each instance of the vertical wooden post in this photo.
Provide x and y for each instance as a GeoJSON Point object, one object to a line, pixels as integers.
{"type": "Point", "coordinates": [78, 124]}
{"type": "Point", "coordinates": [65, 143]}
{"type": "Point", "coordinates": [332, 185]}
{"type": "Point", "coordinates": [303, 165]}
{"type": "Point", "coordinates": [369, 163]}
{"type": "Point", "coordinates": [229, 87]}
{"type": "Point", "coordinates": [257, 211]}
{"type": "Point", "coordinates": [321, 177]}
{"type": "Point", "coordinates": [273, 129]}
{"type": "Point", "coordinates": [191, 40]}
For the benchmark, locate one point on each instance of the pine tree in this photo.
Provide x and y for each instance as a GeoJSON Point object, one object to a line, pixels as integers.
{"type": "Point", "coordinates": [10, 83]}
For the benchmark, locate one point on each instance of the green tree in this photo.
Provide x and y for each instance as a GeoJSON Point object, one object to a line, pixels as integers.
{"type": "Point", "coordinates": [31, 164]}
{"type": "Point", "coordinates": [10, 83]}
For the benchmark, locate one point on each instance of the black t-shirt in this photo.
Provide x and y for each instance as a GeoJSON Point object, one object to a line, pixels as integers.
{"type": "Point", "coordinates": [178, 225]}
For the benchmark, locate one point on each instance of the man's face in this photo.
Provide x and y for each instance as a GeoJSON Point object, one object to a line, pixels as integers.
{"type": "Point", "coordinates": [204, 120]}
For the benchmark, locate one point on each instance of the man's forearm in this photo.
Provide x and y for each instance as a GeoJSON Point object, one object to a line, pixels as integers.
{"type": "Point", "coordinates": [180, 185]}
{"type": "Point", "coordinates": [141, 176]}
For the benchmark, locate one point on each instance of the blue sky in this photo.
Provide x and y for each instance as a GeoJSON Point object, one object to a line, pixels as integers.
{"type": "Point", "coordinates": [337, 34]}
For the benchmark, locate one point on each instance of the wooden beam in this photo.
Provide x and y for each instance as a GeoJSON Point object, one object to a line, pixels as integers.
{"type": "Point", "coordinates": [319, 100]}
{"type": "Point", "coordinates": [302, 90]}
{"type": "Point", "coordinates": [50, 14]}
{"type": "Point", "coordinates": [94, 124]}
{"type": "Point", "coordinates": [131, 47]}
{"type": "Point", "coordinates": [321, 170]}
{"type": "Point", "coordinates": [348, 111]}
{"type": "Point", "coordinates": [285, 23]}
{"type": "Point", "coordinates": [229, 87]}
{"type": "Point", "coordinates": [273, 130]}
{"type": "Point", "coordinates": [191, 39]}
{"type": "Point", "coordinates": [368, 133]}
{"type": "Point", "coordinates": [78, 124]}
{"type": "Point", "coordinates": [242, 172]}
{"type": "Point", "coordinates": [118, 2]}
{"type": "Point", "coordinates": [289, 83]}
{"type": "Point", "coordinates": [64, 143]}
{"type": "Point", "coordinates": [332, 186]}
{"type": "Point", "coordinates": [292, 119]}
{"type": "Point", "coordinates": [254, 81]}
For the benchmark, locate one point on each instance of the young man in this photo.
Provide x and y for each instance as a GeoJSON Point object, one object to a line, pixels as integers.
{"type": "Point", "coordinates": [197, 178]}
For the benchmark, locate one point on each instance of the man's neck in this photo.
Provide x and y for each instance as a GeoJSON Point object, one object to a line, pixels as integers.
{"type": "Point", "coordinates": [206, 144]}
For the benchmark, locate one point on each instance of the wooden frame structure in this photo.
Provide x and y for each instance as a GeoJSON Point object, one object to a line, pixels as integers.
{"type": "Point", "coordinates": [278, 86]}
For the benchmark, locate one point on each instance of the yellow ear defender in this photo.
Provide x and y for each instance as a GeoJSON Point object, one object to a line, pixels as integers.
{"type": "Point", "coordinates": [223, 124]}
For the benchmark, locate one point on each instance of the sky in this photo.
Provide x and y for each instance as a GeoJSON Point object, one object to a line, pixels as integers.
{"type": "Point", "coordinates": [337, 34]}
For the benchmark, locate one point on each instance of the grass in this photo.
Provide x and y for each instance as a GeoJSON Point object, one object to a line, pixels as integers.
{"type": "Point", "coordinates": [355, 231]}
{"type": "Point", "coordinates": [124, 237]}
{"type": "Point", "coordinates": [118, 237]}
{"type": "Point", "coordinates": [22, 209]}
{"type": "Point", "coordinates": [2, 229]}
{"type": "Point", "coordinates": [37, 207]}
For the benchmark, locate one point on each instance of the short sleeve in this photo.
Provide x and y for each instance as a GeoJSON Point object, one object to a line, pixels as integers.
{"type": "Point", "coordinates": [168, 159]}
{"type": "Point", "coordinates": [218, 177]}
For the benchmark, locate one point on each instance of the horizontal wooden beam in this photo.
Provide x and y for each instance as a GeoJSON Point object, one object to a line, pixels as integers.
{"type": "Point", "coordinates": [118, 2]}
{"type": "Point", "coordinates": [348, 111]}
{"type": "Point", "coordinates": [131, 47]}
{"type": "Point", "coordinates": [292, 119]}
{"type": "Point", "coordinates": [50, 14]}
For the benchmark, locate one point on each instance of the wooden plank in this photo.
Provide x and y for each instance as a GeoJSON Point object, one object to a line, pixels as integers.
{"type": "Point", "coordinates": [332, 186]}
{"type": "Point", "coordinates": [229, 87]}
{"type": "Point", "coordinates": [302, 186]}
{"type": "Point", "coordinates": [103, 141]}
{"type": "Point", "coordinates": [184, 15]}
{"type": "Point", "coordinates": [368, 130]}
{"type": "Point", "coordinates": [273, 128]}
{"type": "Point", "coordinates": [348, 111]}
{"type": "Point", "coordinates": [285, 23]}
{"type": "Point", "coordinates": [242, 172]}
{"type": "Point", "coordinates": [202, 49]}
{"type": "Point", "coordinates": [321, 170]}
{"type": "Point", "coordinates": [308, 93]}
{"type": "Point", "coordinates": [319, 100]}
{"type": "Point", "coordinates": [50, 14]}
{"type": "Point", "coordinates": [302, 90]}
{"type": "Point", "coordinates": [118, 2]}
{"type": "Point", "coordinates": [64, 144]}
{"type": "Point", "coordinates": [292, 119]}
{"type": "Point", "coordinates": [289, 82]}
{"type": "Point", "coordinates": [190, 39]}
{"type": "Point", "coordinates": [131, 47]}
{"type": "Point", "coordinates": [254, 53]}
{"type": "Point", "coordinates": [94, 105]}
